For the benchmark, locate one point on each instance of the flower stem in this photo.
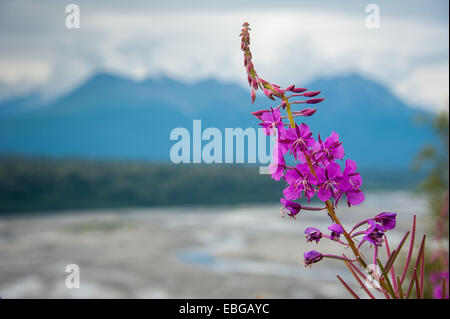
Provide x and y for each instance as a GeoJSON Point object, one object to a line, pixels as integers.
{"type": "Point", "coordinates": [288, 111]}
{"type": "Point", "coordinates": [339, 258]}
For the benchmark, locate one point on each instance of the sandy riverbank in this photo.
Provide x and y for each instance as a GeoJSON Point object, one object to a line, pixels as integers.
{"type": "Point", "coordinates": [215, 252]}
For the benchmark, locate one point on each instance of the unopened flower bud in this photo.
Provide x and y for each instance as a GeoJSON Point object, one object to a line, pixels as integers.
{"type": "Point", "coordinates": [314, 101]}
{"type": "Point", "coordinates": [298, 90]}
{"type": "Point", "coordinates": [311, 94]}
{"type": "Point", "coordinates": [268, 93]}
{"type": "Point", "coordinates": [259, 113]}
{"type": "Point", "coordinates": [387, 220]}
{"type": "Point", "coordinates": [313, 234]}
{"type": "Point", "coordinates": [312, 257]}
{"type": "Point", "coordinates": [305, 112]}
{"type": "Point", "coordinates": [290, 88]}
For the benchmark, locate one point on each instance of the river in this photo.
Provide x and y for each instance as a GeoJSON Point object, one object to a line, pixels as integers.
{"type": "Point", "coordinates": [245, 251]}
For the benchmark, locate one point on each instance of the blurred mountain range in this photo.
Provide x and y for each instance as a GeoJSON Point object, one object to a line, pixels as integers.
{"type": "Point", "coordinates": [111, 117]}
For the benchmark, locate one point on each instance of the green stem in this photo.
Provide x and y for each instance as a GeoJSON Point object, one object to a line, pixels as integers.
{"type": "Point", "coordinates": [288, 111]}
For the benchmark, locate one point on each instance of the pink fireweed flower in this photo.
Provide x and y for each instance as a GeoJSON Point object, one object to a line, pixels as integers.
{"type": "Point", "coordinates": [374, 234]}
{"type": "Point", "coordinates": [300, 180]}
{"type": "Point", "coordinates": [350, 183]}
{"type": "Point", "coordinates": [313, 234]}
{"type": "Point", "coordinates": [297, 140]}
{"type": "Point", "coordinates": [278, 166]}
{"type": "Point", "coordinates": [271, 120]}
{"type": "Point", "coordinates": [387, 220]}
{"type": "Point", "coordinates": [336, 231]}
{"type": "Point", "coordinates": [328, 181]}
{"type": "Point", "coordinates": [351, 180]}
{"type": "Point", "coordinates": [329, 150]}
{"type": "Point", "coordinates": [312, 257]}
{"type": "Point", "coordinates": [293, 207]}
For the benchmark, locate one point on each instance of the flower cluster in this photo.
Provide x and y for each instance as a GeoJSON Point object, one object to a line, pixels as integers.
{"type": "Point", "coordinates": [316, 167]}
{"type": "Point", "coordinates": [373, 234]}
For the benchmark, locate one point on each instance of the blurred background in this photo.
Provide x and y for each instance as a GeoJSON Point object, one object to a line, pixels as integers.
{"type": "Point", "coordinates": [85, 119]}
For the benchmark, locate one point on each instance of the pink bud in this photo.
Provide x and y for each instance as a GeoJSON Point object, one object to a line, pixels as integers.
{"type": "Point", "coordinates": [314, 101]}
{"type": "Point", "coordinates": [283, 104]}
{"type": "Point", "coordinates": [268, 94]}
{"type": "Point", "coordinates": [279, 91]}
{"type": "Point", "coordinates": [305, 112]}
{"type": "Point", "coordinates": [253, 96]}
{"type": "Point", "coordinates": [290, 88]}
{"type": "Point", "coordinates": [258, 114]}
{"type": "Point", "coordinates": [299, 90]}
{"type": "Point", "coordinates": [311, 94]}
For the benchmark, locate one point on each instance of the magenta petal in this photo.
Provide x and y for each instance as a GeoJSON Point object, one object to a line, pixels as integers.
{"type": "Point", "coordinates": [355, 198]}
{"type": "Point", "coordinates": [333, 139]}
{"type": "Point", "coordinates": [339, 152]}
{"type": "Point", "coordinates": [291, 175]}
{"type": "Point", "coordinates": [350, 167]}
{"type": "Point", "coordinates": [290, 193]}
{"type": "Point", "coordinates": [324, 194]}
{"type": "Point", "coordinates": [334, 170]}
{"type": "Point", "coordinates": [277, 171]}
{"type": "Point", "coordinates": [276, 115]}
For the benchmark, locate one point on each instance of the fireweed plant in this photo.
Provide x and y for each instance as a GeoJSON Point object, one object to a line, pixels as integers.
{"type": "Point", "coordinates": [317, 171]}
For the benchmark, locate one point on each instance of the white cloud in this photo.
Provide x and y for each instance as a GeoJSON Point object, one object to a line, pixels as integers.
{"type": "Point", "coordinates": [16, 71]}
{"type": "Point", "coordinates": [406, 54]}
{"type": "Point", "coordinates": [427, 85]}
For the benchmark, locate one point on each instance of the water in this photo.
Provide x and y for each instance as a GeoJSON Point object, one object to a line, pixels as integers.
{"type": "Point", "coordinates": [181, 252]}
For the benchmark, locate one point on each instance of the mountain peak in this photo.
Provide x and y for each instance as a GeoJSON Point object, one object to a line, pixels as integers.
{"type": "Point", "coordinates": [113, 116]}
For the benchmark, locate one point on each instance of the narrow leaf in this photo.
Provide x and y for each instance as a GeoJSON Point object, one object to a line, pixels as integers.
{"type": "Point", "coordinates": [400, 290]}
{"type": "Point", "coordinates": [416, 278]}
{"type": "Point", "coordinates": [395, 253]}
{"type": "Point", "coordinates": [363, 286]}
{"type": "Point", "coordinates": [347, 287]}
{"type": "Point", "coordinates": [411, 284]}
{"type": "Point", "coordinates": [422, 272]}
{"type": "Point", "coordinates": [388, 252]}
{"type": "Point", "coordinates": [386, 279]}
{"type": "Point", "coordinates": [411, 247]}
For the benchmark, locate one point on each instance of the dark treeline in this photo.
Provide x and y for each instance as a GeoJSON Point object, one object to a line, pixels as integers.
{"type": "Point", "coordinates": [41, 184]}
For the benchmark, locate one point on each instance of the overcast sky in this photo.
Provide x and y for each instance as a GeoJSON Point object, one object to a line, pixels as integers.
{"type": "Point", "coordinates": [292, 41]}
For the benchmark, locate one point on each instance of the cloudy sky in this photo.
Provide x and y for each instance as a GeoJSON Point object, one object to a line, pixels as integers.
{"type": "Point", "coordinates": [292, 41]}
